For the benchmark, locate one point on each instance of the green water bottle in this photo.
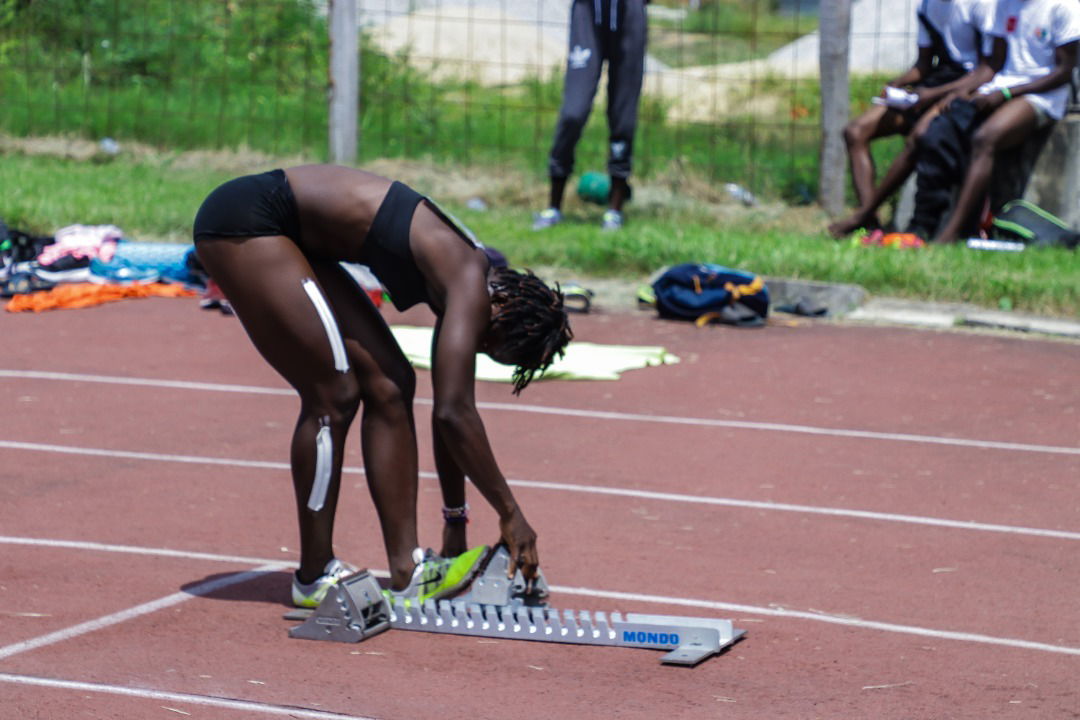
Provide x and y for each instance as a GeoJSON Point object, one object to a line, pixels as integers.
{"type": "Point", "coordinates": [594, 187]}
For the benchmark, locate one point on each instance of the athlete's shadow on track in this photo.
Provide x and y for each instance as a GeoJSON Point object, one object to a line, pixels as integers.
{"type": "Point", "coordinates": [268, 587]}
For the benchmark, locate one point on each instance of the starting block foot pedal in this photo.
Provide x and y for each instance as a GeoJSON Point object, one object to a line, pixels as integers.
{"type": "Point", "coordinates": [491, 586]}
{"type": "Point", "coordinates": [353, 610]}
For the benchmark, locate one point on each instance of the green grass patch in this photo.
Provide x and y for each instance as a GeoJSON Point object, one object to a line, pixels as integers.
{"type": "Point", "coordinates": [1040, 281]}
{"type": "Point", "coordinates": [156, 199]}
{"type": "Point", "coordinates": [252, 74]}
{"type": "Point", "coordinates": [724, 31]}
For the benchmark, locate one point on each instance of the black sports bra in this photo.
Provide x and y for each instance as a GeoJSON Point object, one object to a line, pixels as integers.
{"type": "Point", "coordinates": [386, 248]}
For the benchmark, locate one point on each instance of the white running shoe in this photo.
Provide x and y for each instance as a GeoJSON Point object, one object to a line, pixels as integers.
{"type": "Point", "coordinates": [311, 594]}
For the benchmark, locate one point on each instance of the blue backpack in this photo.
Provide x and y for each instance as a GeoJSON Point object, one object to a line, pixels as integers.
{"type": "Point", "coordinates": [706, 293]}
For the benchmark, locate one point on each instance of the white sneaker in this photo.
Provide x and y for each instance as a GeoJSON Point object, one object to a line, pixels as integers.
{"type": "Point", "coordinates": [311, 594]}
{"type": "Point", "coordinates": [546, 218]}
{"type": "Point", "coordinates": [613, 220]}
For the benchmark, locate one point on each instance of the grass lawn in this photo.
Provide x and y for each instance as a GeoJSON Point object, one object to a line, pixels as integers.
{"type": "Point", "coordinates": [154, 196]}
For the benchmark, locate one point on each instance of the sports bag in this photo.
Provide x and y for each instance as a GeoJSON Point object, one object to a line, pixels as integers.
{"type": "Point", "coordinates": [706, 293]}
{"type": "Point", "coordinates": [1030, 224]}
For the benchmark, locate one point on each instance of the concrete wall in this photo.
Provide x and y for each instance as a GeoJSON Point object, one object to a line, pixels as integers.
{"type": "Point", "coordinates": [883, 40]}
{"type": "Point", "coordinates": [1055, 182]}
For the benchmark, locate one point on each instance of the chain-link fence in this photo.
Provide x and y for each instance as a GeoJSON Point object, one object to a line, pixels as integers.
{"type": "Point", "coordinates": [730, 89]}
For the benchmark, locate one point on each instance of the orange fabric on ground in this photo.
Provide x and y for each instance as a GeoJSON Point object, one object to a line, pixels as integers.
{"type": "Point", "coordinates": [79, 295]}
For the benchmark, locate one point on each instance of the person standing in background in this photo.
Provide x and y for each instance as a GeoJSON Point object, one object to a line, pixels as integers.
{"type": "Point", "coordinates": [600, 30]}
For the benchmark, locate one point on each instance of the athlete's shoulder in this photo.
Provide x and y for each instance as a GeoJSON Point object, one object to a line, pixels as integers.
{"type": "Point", "coordinates": [980, 13]}
{"type": "Point", "coordinates": [977, 6]}
{"type": "Point", "coordinates": [1068, 9]}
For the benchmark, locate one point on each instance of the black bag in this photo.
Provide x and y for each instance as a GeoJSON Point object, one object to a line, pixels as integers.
{"type": "Point", "coordinates": [17, 246]}
{"type": "Point", "coordinates": [1030, 224]}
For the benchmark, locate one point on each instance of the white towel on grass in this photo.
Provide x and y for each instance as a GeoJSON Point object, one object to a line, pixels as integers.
{"type": "Point", "coordinates": [583, 360]}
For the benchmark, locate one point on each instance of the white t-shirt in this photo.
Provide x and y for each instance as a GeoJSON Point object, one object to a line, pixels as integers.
{"type": "Point", "coordinates": [1034, 29]}
{"type": "Point", "coordinates": [960, 24]}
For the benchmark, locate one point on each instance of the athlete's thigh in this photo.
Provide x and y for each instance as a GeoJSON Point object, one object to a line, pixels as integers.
{"type": "Point", "coordinates": [370, 343]}
{"type": "Point", "coordinates": [881, 121]}
{"type": "Point", "coordinates": [275, 293]}
{"type": "Point", "coordinates": [1009, 125]}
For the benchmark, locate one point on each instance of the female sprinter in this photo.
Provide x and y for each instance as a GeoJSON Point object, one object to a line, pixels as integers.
{"type": "Point", "coordinates": [273, 243]}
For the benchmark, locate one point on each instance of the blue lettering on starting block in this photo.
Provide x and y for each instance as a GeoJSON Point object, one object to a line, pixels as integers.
{"type": "Point", "coordinates": [639, 636]}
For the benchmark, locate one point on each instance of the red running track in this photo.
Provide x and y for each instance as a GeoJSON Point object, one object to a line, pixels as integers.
{"type": "Point", "coordinates": [892, 515]}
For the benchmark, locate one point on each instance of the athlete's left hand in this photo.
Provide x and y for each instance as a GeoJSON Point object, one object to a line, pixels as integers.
{"type": "Point", "coordinates": [520, 540]}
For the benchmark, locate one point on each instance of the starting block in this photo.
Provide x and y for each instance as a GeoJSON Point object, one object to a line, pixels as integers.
{"type": "Point", "coordinates": [497, 607]}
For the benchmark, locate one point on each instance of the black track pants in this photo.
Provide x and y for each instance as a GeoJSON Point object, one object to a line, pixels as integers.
{"type": "Point", "coordinates": [944, 156]}
{"type": "Point", "coordinates": [601, 30]}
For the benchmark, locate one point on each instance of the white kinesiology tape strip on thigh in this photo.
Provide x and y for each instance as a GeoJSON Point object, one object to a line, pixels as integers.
{"type": "Point", "coordinates": [337, 345]}
{"type": "Point", "coordinates": [324, 460]}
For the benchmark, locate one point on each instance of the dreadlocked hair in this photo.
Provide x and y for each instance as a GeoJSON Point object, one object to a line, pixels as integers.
{"type": "Point", "coordinates": [530, 321]}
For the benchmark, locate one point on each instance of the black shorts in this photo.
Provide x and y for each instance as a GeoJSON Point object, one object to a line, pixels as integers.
{"type": "Point", "coordinates": [250, 206]}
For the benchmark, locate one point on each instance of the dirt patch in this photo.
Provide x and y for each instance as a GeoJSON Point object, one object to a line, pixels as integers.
{"type": "Point", "coordinates": [481, 44]}
{"type": "Point", "coordinates": [495, 185]}
{"type": "Point", "coordinates": [82, 150]}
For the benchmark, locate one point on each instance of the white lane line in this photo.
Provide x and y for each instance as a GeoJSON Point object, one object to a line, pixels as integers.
{"type": "Point", "coordinates": [180, 698]}
{"type": "Point", "coordinates": [821, 617]}
{"type": "Point", "coordinates": [138, 550]}
{"type": "Point", "coordinates": [623, 596]}
{"type": "Point", "coordinates": [587, 489]}
{"type": "Point", "coordinates": [784, 427]}
{"type": "Point", "coordinates": [156, 552]}
{"type": "Point", "coordinates": [153, 457]}
{"type": "Point", "coordinates": [124, 615]}
{"type": "Point", "coordinates": [144, 382]}
{"type": "Point", "coordinates": [809, 509]}
{"type": "Point", "coordinates": [573, 412]}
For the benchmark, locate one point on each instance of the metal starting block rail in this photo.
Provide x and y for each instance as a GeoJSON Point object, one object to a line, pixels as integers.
{"type": "Point", "coordinates": [495, 607]}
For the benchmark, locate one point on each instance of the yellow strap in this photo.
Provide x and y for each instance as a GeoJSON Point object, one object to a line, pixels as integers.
{"type": "Point", "coordinates": [737, 291]}
{"type": "Point", "coordinates": [707, 318]}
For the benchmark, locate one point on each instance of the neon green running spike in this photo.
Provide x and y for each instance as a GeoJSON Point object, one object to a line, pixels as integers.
{"type": "Point", "coordinates": [437, 577]}
{"type": "Point", "coordinates": [458, 573]}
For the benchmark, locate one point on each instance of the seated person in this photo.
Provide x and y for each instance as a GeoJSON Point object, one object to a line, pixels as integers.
{"type": "Point", "coordinates": [960, 35]}
{"type": "Point", "coordinates": [1030, 93]}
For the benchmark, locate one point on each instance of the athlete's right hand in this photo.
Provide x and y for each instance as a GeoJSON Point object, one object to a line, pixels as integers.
{"type": "Point", "coordinates": [520, 540]}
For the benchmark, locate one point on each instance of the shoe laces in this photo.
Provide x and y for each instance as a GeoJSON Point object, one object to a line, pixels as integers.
{"type": "Point", "coordinates": [335, 570]}
{"type": "Point", "coordinates": [430, 569]}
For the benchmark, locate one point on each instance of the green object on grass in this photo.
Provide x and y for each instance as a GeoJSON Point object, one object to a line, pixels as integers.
{"type": "Point", "coordinates": [594, 187]}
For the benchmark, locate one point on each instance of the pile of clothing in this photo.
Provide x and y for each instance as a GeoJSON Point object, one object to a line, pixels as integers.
{"type": "Point", "coordinates": [85, 265]}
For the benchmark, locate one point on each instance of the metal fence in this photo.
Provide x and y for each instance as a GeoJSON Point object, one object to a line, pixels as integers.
{"type": "Point", "coordinates": [730, 89]}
